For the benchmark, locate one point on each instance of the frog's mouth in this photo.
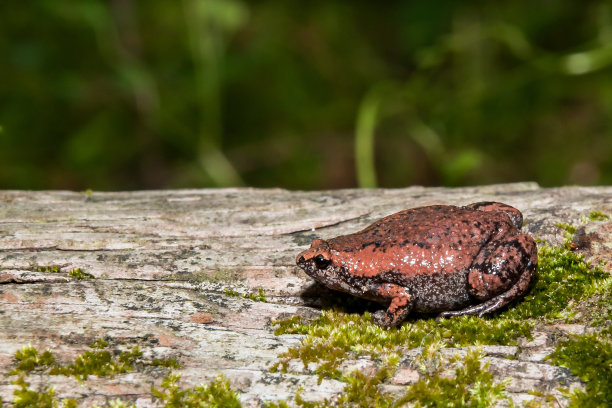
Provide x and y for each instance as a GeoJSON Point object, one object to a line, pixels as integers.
{"type": "Point", "coordinates": [315, 265]}
{"type": "Point", "coordinates": [325, 272]}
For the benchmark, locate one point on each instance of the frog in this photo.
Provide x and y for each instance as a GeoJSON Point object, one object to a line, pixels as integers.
{"type": "Point", "coordinates": [439, 259]}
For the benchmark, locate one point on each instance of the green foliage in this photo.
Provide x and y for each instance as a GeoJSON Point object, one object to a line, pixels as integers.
{"type": "Point", "coordinates": [216, 394]}
{"type": "Point", "coordinates": [590, 358]}
{"type": "Point", "coordinates": [426, 85]}
{"type": "Point", "coordinates": [542, 401]}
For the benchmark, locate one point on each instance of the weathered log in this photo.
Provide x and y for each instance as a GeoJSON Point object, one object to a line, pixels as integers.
{"type": "Point", "coordinates": [166, 266]}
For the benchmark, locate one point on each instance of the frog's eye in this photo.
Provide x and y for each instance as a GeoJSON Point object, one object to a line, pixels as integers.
{"type": "Point", "coordinates": [321, 262]}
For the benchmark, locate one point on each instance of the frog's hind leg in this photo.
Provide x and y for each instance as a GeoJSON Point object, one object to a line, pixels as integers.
{"type": "Point", "coordinates": [496, 270]}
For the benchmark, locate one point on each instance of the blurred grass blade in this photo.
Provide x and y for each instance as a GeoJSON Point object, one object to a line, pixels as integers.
{"type": "Point", "coordinates": [209, 24]}
{"type": "Point", "coordinates": [218, 168]}
{"type": "Point", "coordinates": [581, 63]}
{"type": "Point", "coordinates": [364, 140]}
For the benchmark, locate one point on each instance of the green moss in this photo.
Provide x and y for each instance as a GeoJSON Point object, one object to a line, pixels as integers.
{"type": "Point", "coordinates": [217, 276]}
{"type": "Point", "coordinates": [334, 335]}
{"type": "Point", "coordinates": [103, 363]}
{"type": "Point", "coordinates": [598, 216]}
{"type": "Point", "coordinates": [568, 234]}
{"type": "Point", "coordinates": [216, 394]}
{"type": "Point", "coordinates": [100, 363]}
{"type": "Point", "coordinates": [29, 359]}
{"type": "Point", "coordinates": [117, 403]}
{"type": "Point", "coordinates": [472, 386]}
{"type": "Point", "coordinates": [542, 400]}
{"type": "Point", "coordinates": [590, 358]}
{"type": "Point", "coordinates": [569, 228]}
{"type": "Point", "coordinates": [563, 279]}
{"type": "Point", "coordinates": [565, 288]}
{"type": "Point", "coordinates": [95, 362]}
{"type": "Point", "coordinates": [24, 397]}
{"type": "Point", "coordinates": [169, 363]}
{"type": "Point", "coordinates": [79, 274]}
{"type": "Point", "coordinates": [260, 296]}
{"type": "Point", "coordinates": [233, 293]}
{"type": "Point", "coordinates": [99, 344]}
{"type": "Point", "coordinates": [361, 391]}
{"type": "Point", "coordinates": [48, 268]}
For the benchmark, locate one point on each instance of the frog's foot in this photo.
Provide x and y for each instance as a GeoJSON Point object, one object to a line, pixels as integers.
{"type": "Point", "coordinates": [515, 256]}
{"type": "Point", "coordinates": [399, 308]}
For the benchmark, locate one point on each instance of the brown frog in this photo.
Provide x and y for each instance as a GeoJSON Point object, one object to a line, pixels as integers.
{"type": "Point", "coordinates": [454, 260]}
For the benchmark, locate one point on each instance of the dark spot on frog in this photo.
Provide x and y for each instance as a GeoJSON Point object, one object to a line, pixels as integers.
{"type": "Point", "coordinates": [375, 244]}
{"type": "Point", "coordinates": [453, 260]}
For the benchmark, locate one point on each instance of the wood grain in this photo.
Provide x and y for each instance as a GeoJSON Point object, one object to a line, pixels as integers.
{"type": "Point", "coordinates": [162, 261]}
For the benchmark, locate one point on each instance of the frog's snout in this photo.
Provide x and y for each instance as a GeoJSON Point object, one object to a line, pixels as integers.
{"type": "Point", "coordinates": [303, 258]}
{"type": "Point", "coordinates": [317, 247]}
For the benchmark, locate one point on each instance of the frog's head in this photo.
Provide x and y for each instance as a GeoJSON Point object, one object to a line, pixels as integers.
{"type": "Point", "coordinates": [318, 262]}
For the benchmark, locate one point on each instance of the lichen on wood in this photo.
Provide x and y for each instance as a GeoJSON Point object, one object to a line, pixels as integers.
{"type": "Point", "coordinates": [198, 277]}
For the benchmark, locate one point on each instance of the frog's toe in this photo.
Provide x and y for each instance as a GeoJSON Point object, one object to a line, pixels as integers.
{"type": "Point", "coordinates": [386, 320]}
{"type": "Point", "coordinates": [445, 315]}
{"type": "Point", "coordinates": [381, 318]}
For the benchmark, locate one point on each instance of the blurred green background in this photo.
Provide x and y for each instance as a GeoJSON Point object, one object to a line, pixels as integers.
{"type": "Point", "coordinates": [134, 94]}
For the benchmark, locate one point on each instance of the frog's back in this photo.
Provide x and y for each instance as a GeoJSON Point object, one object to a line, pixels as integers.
{"type": "Point", "coordinates": [440, 224]}
{"type": "Point", "coordinates": [425, 240]}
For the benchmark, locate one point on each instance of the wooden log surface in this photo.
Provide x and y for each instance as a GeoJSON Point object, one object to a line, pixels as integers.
{"type": "Point", "coordinates": [163, 261]}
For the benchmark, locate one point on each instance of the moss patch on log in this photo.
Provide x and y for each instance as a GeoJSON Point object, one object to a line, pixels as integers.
{"type": "Point", "coordinates": [564, 281]}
